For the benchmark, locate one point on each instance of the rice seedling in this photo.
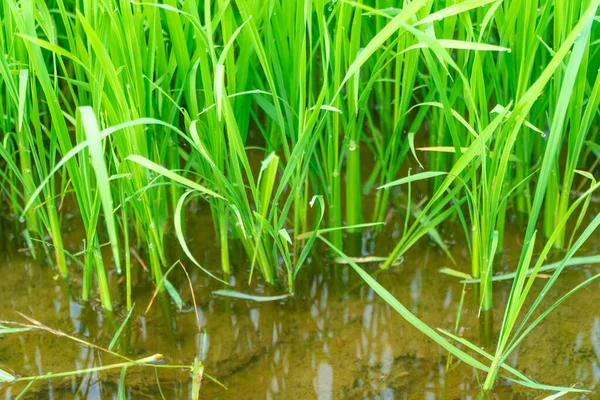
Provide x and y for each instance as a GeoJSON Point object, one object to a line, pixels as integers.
{"type": "Point", "coordinates": [278, 118]}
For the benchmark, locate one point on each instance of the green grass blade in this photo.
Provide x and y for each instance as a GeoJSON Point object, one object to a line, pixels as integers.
{"type": "Point", "coordinates": [6, 377]}
{"type": "Point", "coordinates": [453, 10]}
{"type": "Point", "coordinates": [181, 236]}
{"type": "Point", "coordinates": [144, 162]}
{"type": "Point", "coordinates": [243, 296]}
{"type": "Point", "coordinates": [90, 126]}
{"type": "Point", "coordinates": [575, 261]}
{"type": "Point", "coordinates": [405, 313]}
{"type": "Point", "coordinates": [412, 178]}
{"type": "Point", "coordinates": [118, 332]}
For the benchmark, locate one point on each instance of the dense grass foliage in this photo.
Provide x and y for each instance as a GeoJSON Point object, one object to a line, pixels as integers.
{"type": "Point", "coordinates": [268, 110]}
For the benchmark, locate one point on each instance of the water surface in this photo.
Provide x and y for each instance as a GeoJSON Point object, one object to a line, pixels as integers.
{"type": "Point", "coordinates": [334, 339]}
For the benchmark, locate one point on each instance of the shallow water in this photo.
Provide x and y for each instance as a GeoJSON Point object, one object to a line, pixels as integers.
{"type": "Point", "coordinates": [334, 339]}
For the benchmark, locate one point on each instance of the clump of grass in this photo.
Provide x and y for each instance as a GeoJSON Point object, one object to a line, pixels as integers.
{"type": "Point", "coordinates": [266, 111]}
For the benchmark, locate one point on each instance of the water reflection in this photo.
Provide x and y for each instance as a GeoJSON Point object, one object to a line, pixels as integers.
{"type": "Point", "coordinates": [334, 339]}
{"type": "Point", "coordinates": [323, 382]}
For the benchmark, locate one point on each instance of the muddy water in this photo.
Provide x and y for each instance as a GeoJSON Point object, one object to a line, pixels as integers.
{"type": "Point", "coordinates": [334, 339]}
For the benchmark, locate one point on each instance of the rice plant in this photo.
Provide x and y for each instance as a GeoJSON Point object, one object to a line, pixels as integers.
{"type": "Point", "coordinates": [266, 112]}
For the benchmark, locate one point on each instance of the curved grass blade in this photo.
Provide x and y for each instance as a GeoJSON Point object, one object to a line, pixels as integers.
{"type": "Point", "coordinates": [171, 175]}
{"type": "Point", "coordinates": [411, 144]}
{"type": "Point", "coordinates": [405, 313]}
{"type": "Point", "coordinates": [412, 178]}
{"type": "Point", "coordinates": [181, 237]}
{"type": "Point", "coordinates": [243, 296]}
{"type": "Point", "coordinates": [306, 235]}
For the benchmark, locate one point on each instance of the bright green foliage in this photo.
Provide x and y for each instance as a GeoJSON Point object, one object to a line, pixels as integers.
{"type": "Point", "coordinates": [265, 112]}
